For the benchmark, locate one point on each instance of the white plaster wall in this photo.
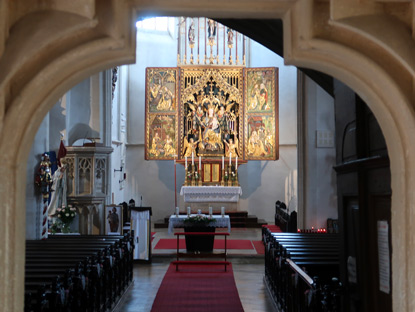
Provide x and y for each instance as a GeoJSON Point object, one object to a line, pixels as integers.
{"type": "Point", "coordinates": [118, 156]}
{"type": "Point", "coordinates": [153, 181]}
{"type": "Point", "coordinates": [263, 57]}
{"type": "Point", "coordinates": [320, 179]}
{"type": "Point", "coordinates": [265, 182]}
{"type": "Point", "coordinates": [82, 121]}
{"type": "Point", "coordinates": [154, 49]}
{"type": "Point", "coordinates": [118, 183]}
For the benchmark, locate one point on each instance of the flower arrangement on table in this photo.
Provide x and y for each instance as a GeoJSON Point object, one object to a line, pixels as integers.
{"type": "Point", "coordinates": [65, 216]}
{"type": "Point", "coordinates": [198, 220]}
{"type": "Point", "coordinates": [189, 175]}
{"type": "Point", "coordinates": [226, 177]}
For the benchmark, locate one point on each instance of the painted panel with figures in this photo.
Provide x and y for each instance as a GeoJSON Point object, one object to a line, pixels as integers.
{"type": "Point", "coordinates": [161, 113]}
{"type": "Point", "coordinates": [261, 114]}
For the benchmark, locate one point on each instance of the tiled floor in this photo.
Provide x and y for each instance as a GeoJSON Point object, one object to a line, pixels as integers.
{"type": "Point", "coordinates": [247, 266]}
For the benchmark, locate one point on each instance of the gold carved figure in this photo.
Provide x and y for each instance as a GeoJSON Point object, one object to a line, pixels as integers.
{"type": "Point", "coordinates": [232, 148]}
{"type": "Point", "coordinates": [189, 147]}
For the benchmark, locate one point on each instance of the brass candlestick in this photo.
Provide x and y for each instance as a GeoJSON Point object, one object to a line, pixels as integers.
{"type": "Point", "coordinates": [199, 177]}
{"type": "Point", "coordinates": [222, 182]}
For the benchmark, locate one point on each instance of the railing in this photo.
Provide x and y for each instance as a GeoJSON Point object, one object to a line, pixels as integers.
{"type": "Point", "coordinates": [201, 255]}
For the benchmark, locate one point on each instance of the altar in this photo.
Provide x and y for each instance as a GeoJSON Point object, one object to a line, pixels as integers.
{"type": "Point", "coordinates": [178, 221]}
{"type": "Point", "coordinates": [203, 197]}
{"type": "Point", "coordinates": [209, 194]}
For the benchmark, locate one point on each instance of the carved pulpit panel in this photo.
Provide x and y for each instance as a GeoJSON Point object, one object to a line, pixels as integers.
{"type": "Point", "coordinates": [87, 183]}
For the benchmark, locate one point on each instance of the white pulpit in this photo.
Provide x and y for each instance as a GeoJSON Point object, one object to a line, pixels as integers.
{"type": "Point", "coordinates": [141, 229]}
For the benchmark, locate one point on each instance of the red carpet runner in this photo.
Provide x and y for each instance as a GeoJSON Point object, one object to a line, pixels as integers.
{"type": "Point", "coordinates": [171, 243]}
{"type": "Point", "coordinates": [259, 247]}
{"type": "Point", "coordinates": [198, 288]}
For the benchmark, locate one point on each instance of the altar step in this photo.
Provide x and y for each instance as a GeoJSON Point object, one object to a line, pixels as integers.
{"type": "Point", "coordinates": [239, 219]}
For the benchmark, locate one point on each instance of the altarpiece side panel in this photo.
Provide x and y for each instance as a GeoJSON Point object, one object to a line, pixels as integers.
{"type": "Point", "coordinates": [261, 114]}
{"type": "Point", "coordinates": [162, 86]}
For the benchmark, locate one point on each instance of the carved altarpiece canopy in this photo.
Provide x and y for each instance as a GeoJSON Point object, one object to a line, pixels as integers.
{"type": "Point", "coordinates": [212, 111]}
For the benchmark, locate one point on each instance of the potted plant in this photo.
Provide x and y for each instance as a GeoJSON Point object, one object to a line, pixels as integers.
{"type": "Point", "coordinates": [233, 177]}
{"type": "Point", "coordinates": [65, 217]}
{"type": "Point", "coordinates": [196, 176]}
{"type": "Point", "coordinates": [226, 177]}
{"type": "Point", "coordinates": [199, 223]}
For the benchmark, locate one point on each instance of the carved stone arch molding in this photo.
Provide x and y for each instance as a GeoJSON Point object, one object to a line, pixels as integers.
{"type": "Point", "coordinates": [46, 47]}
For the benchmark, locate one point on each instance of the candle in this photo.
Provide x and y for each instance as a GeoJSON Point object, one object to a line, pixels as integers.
{"type": "Point", "coordinates": [236, 41]}
{"type": "Point", "coordinates": [178, 45]}
{"type": "Point", "coordinates": [224, 44]}
{"type": "Point", "coordinates": [185, 40]}
{"type": "Point", "coordinates": [177, 211]}
{"type": "Point", "coordinates": [217, 41]}
{"type": "Point", "coordinates": [236, 163]}
{"type": "Point", "coordinates": [210, 211]}
{"type": "Point", "coordinates": [223, 162]}
{"type": "Point", "coordinates": [188, 211]}
{"type": "Point", "coordinates": [198, 39]}
{"type": "Point", "coordinates": [193, 159]}
{"type": "Point", "coordinates": [185, 161]}
{"type": "Point", "coordinates": [222, 211]}
{"type": "Point", "coordinates": [200, 163]}
{"type": "Point", "coordinates": [230, 159]}
{"type": "Point", "coordinates": [243, 51]}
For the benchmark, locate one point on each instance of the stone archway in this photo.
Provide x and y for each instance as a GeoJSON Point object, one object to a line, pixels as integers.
{"type": "Point", "coordinates": [47, 47]}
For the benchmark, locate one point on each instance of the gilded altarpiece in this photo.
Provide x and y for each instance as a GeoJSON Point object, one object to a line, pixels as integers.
{"type": "Point", "coordinates": [212, 112]}
{"type": "Point", "coordinates": [161, 113]}
{"type": "Point", "coordinates": [261, 114]}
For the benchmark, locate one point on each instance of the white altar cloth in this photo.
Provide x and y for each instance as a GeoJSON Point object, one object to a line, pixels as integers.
{"type": "Point", "coordinates": [203, 194]}
{"type": "Point", "coordinates": [222, 222]}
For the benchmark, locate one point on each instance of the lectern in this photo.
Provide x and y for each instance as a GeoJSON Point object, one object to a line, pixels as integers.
{"type": "Point", "coordinates": [141, 231]}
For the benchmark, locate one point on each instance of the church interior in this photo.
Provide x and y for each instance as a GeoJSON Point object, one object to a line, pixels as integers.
{"type": "Point", "coordinates": [288, 124]}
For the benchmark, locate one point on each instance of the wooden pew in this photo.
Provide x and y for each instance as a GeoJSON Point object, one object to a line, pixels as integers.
{"type": "Point", "coordinates": [82, 273]}
{"type": "Point", "coordinates": [302, 263]}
